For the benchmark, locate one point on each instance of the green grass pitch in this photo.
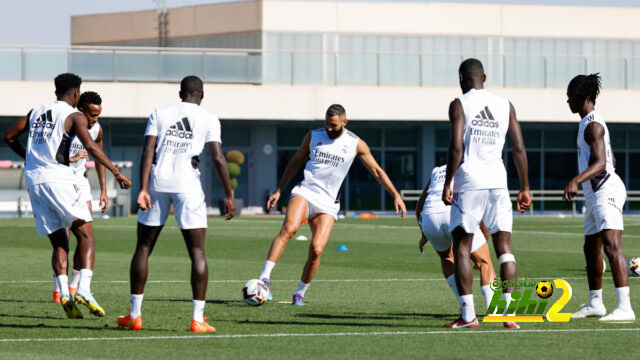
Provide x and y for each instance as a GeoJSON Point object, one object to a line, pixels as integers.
{"type": "Point", "coordinates": [380, 299]}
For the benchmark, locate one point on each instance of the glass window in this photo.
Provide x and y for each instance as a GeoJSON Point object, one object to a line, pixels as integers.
{"type": "Point", "coordinates": [364, 191]}
{"type": "Point", "coordinates": [401, 137]}
{"type": "Point", "coordinates": [127, 133]}
{"type": "Point", "coordinates": [292, 136]}
{"type": "Point", "coordinates": [559, 169]}
{"type": "Point", "coordinates": [442, 137]}
{"type": "Point", "coordinates": [634, 172]}
{"type": "Point", "coordinates": [371, 135]}
{"type": "Point", "coordinates": [561, 139]}
{"type": "Point", "coordinates": [533, 160]}
{"type": "Point", "coordinates": [634, 139]}
{"type": "Point", "coordinates": [235, 136]}
{"type": "Point", "coordinates": [531, 139]}
{"type": "Point", "coordinates": [401, 168]}
{"type": "Point", "coordinates": [440, 158]}
{"type": "Point", "coordinates": [284, 156]}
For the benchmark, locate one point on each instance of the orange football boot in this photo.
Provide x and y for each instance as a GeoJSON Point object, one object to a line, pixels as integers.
{"type": "Point", "coordinates": [132, 324]}
{"type": "Point", "coordinates": [200, 327]}
{"type": "Point", "coordinates": [56, 297]}
{"type": "Point", "coordinates": [73, 291]}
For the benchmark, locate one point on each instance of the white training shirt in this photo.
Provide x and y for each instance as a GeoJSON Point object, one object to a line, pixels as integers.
{"type": "Point", "coordinates": [486, 118]}
{"type": "Point", "coordinates": [329, 163]}
{"type": "Point", "coordinates": [607, 180]}
{"type": "Point", "coordinates": [433, 204]}
{"type": "Point", "coordinates": [47, 157]}
{"type": "Point", "coordinates": [79, 167]}
{"type": "Point", "coordinates": [182, 130]}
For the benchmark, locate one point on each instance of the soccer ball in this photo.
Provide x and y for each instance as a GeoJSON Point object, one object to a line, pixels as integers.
{"type": "Point", "coordinates": [255, 292]}
{"type": "Point", "coordinates": [544, 289]}
{"type": "Point", "coordinates": [634, 266]}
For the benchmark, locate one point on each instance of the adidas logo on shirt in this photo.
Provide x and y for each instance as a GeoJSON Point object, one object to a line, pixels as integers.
{"type": "Point", "coordinates": [485, 118]}
{"type": "Point", "coordinates": [44, 121]}
{"type": "Point", "coordinates": [181, 129]}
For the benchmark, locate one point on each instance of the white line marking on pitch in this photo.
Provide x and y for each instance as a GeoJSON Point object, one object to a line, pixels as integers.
{"type": "Point", "coordinates": [319, 280]}
{"type": "Point", "coordinates": [237, 336]}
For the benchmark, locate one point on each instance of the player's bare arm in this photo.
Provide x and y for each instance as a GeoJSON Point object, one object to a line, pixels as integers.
{"type": "Point", "coordinates": [102, 177]}
{"type": "Point", "coordinates": [454, 155]}
{"type": "Point", "coordinates": [520, 160]}
{"type": "Point", "coordinates": [364, 154]}
{"type": "Point", "coordinates": [79, 122]}
{"type": "Point", "coordinates": [292, 168]}
{"type": "Point", "coordinates": [11, 136]}
{"type": "Point", "coordinates": [146, 161]}
{"type": "Point", "coordinates": [594, 136]}
{"type": "Point", "coordinates": [220, 164]}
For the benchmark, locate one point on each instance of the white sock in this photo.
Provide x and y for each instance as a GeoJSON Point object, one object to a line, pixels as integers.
{"type": "Point", "coordinates": [507, 298]}
{"type": "Point", "coordinates": [451, 280]}
{"type": "Point", "coordinates": [266, 270]}
{"type": "Point", "coordinates": [468, 311]}
{"type": "Point", "coordinates": [85, 280]}
{"type": "Point", "coordinates": [75, 279]}
{"type": "Point", "coordinates": [624, 301]}
{"type": "Point", "coordinates": [136, 305]}
{"type": "Point", "coordinates": [56, 288]}
{"type": "Point", "coordinates": [63, 285]}
{"type": "Point", "coordinates": [302, 288]}
{"type": "Point", "coordinates": [488, 294]}
{"type": "Point", "coordinates": [198, 310]}
{"type": "Point", "coordinates": [595, 298]}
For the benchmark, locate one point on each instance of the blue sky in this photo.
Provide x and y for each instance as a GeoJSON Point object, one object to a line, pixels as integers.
{"type": "Point", "coordinates": [39, 22]}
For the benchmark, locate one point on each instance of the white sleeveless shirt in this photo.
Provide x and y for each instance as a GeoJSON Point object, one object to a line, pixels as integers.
{"type": "Point", "coordinates": [329, 163]}
{"type": "Point", "coordinates": [48, 144]}
{"type": "Point", "coordinates": [607, 180]}
{"type": "Point", "coordinates": [486, 118]}
{"type": "Point", "coordinates": [79, 167]}
{"type": "Point", "coordinates": [433, 203]}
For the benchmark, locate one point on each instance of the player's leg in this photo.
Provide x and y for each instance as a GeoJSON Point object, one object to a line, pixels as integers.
{"type": "Point", "coordinates": [481, 257]}
{"type": "Point", "coordinates": [612, 241]}
{"type": "Point", "coordinates": [463, 271]}
{"type": "Point", "coordinates": [194, 239]}
{"type": "Point", "coordinates": [85, 194]}
{"type": "Point", "coordinates": [83, 232]}
{"type": "Point", "coordinates": [321, 226]}
{"type": "Point", "coordinates": [435, 227]}
{"type": "Point", "coordinates": [593, 255]}
{"type": "Point", "coordinates": [448, 270]}
{"type": "Point", "coordinates": [297, 213]}
{"type": "Point", "coordinates": [60, 244]}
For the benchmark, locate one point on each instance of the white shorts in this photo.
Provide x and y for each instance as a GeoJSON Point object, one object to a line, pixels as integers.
{"type": "Point", "coordinates": [435, 228]}
{"type": "Point", "coordinates": [190, 210]}
{"type": "Point", "coordinates": [316, 207]}
{"type": "Point", "coordinates": [604, 212]}
{"type": "Point", "coordinates": [56, 206]}
{"type": "Point", "coordinates": [491, 206]}
{"type": "Point", "coordinates": [85, 189]}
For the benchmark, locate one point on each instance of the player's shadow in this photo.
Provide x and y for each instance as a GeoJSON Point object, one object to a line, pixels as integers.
{"type": "Point", "coordinates": [44, 326]}
{"type": "Point", "coordinates": [214, 302]}
{"type": "Point", "coordinates": [386, 317]}
{"type": "Point", "coordinates": [326, 323]}
{"type": "Point", "coordinates": [23, 301]}
{"type": "Point", "coordinates": [31, 316]}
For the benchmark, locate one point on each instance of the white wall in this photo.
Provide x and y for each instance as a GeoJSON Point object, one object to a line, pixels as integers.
{"type": "Point", "coordinates": [284, 102]}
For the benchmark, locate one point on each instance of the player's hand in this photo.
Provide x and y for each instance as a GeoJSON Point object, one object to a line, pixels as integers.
{"type": "Point", "coordinates": [400, 207]}
{"type": "Point", "coordinates": [229, 208]}
{"type": "Point", "coordinates": [144, 200]}
{"type": "Point", "coordinates": [124, 181]}
{"type": "Point", "coordinates": [423, 241]}
{"type": "Point", "coordinates": [570, 191]}
{"type": "Point", "coordinates": [79, 155]}
{"type": "Point", "coordinates": [446, 195]}
{"type": "Point", "coordinates": [273, 200]}
{"type": "Point", "coordinates": [104, 201]}
{"type": "Point", "coordinates": [524, 201]}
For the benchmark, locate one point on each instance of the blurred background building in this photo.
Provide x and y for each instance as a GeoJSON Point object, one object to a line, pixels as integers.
{"type": "Point", "coordinates": [272, 67]}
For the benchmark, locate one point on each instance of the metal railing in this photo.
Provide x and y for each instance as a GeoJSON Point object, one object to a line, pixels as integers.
{"type": "Point", "coordinates": [305, 67]}
{"type": "Point", "coordinates": [536, 195]}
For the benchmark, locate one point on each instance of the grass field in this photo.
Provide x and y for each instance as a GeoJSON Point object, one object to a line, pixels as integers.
{"type": "Point", "coordinates": [381, 299]}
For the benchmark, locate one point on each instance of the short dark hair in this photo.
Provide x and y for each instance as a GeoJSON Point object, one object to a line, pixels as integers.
{"type": "Point", "coordinates": [65, 82]}
{"type": "Point", "coordinates": [471, 67]}
{"type": "Point", "coordinates": [89, 98]}
{"type": "Point", "coordinates": [585, 87]}
{"type": "Point", "coordinates": [191, 85]}
{"type": "Point", "coordinates": [336, 110]}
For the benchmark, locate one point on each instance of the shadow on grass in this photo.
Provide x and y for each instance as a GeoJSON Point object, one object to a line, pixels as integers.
{"type": "Point", "coordinates": [44, 326]}
{"type": "Point", "coordinates": [24, 301]}
{"type": "Point", "coordinates": [215, 302]}
{"type": "Point", "coordinates": [395, 316]}
{"type": "Point", "coordinates": [32, 317]}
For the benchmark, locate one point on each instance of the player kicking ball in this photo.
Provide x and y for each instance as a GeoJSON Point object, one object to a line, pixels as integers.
{"type": "Point", "coordinates": [331, 151]}
{"type": "Point", "coordinates": [605, 195]}
{"type": "Point", "coordinates": [433, 218]}
{"type": "Point", "coordinates": [480, 122]}
{"type": "Point", "coordinates": [53, 191]}
{"type": "Point", "coordinates": [90, 104]}
{"type": "Point", "coordinates": [174, 138]}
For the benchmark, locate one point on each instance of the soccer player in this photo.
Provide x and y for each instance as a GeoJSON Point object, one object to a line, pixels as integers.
{"type": "Point", "coordinates": [51, 182]}
{"type": "Point", "coordinates": [331, 151]}
{"type": "Point", "coordinates": [605, 195]}
{"type": "Point", "coordinates": [174, 139]}
{"type": "Point", "coordinates": [433, 218]}
{"type": "Point", "coordinates": [480, 121]}
{"type": "Point", "coordinates": [90, 104]}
